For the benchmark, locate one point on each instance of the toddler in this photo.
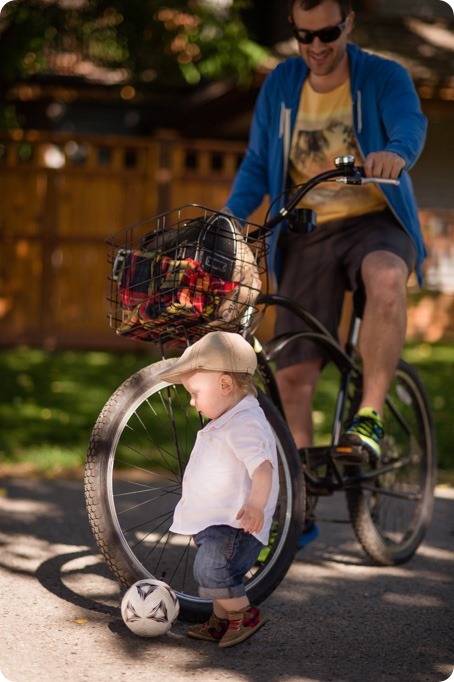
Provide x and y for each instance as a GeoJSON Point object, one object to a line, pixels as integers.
{"type": "Point", "coordinates": [230, 485]}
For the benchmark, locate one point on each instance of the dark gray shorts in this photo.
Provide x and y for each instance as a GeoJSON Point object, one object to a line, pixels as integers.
{"type": "Point", "coordinates": [319, 267]}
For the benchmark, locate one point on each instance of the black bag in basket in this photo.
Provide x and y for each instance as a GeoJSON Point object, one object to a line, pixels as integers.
{"type": "Point", "coordinates": [212, 243]}
{"type": "Point", "coordinates": [204, 270]}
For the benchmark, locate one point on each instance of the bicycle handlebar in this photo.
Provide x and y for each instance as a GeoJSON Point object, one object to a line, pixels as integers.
{"type": "Point", "coordinates": [345, 172]}
{"type": "Point", "coordinates": [366, 181]}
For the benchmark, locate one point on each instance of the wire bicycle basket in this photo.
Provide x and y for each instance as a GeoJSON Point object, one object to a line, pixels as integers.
{"type": "Point", "coordinates": [183, 273]}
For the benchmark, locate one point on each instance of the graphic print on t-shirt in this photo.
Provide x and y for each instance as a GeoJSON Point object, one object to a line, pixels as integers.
{"type": "Point", "coordinates": [324, 130]}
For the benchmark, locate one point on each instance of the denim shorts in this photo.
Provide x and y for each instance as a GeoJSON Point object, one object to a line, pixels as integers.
{"type": "Point", "coordinates": [319, 267]}
{"type": "Point", "coordinates": [224, 556]}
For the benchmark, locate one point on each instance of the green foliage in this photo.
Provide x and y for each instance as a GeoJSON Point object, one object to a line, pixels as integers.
{"type": "Point", "coordinates": [168, 44]}
{"type": "Point", "coordinates": [435, 366]}
{"type": "Point", "coordinates": [49, 401]}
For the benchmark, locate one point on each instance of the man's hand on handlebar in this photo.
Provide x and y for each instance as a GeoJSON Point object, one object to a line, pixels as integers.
{"type": "Point", "coordinates": [379, 167]}
{"type": "Point", "coordinates": [386, 165]}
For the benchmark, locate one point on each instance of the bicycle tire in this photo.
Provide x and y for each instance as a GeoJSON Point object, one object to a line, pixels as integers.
{"type": "Point", "coordinates": [133, 478]}
{"type": "Point", "coordinates": [390, 513]}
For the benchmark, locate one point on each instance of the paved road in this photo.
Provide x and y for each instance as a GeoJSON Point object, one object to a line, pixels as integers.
{"type": "Point", "coordinates": [334, 617]}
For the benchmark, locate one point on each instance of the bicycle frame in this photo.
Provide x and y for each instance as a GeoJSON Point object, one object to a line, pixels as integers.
{"type": "Point", "coordinates": [389, 503]}
{"type": "Point", "coordinates": [316, 456]}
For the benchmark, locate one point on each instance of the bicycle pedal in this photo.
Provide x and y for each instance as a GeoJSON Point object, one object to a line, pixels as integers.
{"type": "Point", "coordinates": [350, 454]}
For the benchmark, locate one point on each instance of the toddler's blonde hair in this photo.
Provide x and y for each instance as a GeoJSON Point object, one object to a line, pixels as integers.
{"type": "Point", "coordinates": [244, 381]}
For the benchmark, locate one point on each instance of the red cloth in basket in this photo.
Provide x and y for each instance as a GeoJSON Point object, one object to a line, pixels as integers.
{"type": "Point", "coordinates": [157, 291]}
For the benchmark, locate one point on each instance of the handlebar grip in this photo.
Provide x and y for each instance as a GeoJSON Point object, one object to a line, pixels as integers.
{"type": "Point", "coordinates": [380, 181]}
{"type": "Point", "coordinates": [383, 181]}
{"type": "Point", "coordinates": [358, 180]}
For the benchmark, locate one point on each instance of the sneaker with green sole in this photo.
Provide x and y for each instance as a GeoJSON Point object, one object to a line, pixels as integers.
{"type": "Point", "coordinates": [363, 435]}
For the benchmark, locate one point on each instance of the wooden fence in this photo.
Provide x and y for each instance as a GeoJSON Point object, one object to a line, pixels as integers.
{"type": "Point", "coordinates": [61, 195]}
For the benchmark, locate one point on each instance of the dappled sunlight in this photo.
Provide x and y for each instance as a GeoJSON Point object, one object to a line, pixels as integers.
{"type": "Point", "coordinates": [27, 509]}
{"type": "Point", "coordinates": [436, 553]}
{"type": "Point", "coordinates": [153, 538]}
{"type": "Point", "coordinates": [25, 553]}
{"type": "Point", "coordinates": [444, 492]}
{"type": "Point", "coordinates": [82, 576]}
{"type": "Point", "coordinates": [416, 600]}
{"type": "Point", "coordinates": [73, 603]}
{"type": "Point", "coordinates": [342, 565]}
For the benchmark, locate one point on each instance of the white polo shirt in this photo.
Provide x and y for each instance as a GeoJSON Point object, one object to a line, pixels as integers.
{"type": "Point", "coordinates": [217, 480]}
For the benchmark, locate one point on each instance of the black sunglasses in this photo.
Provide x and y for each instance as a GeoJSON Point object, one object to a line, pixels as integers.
{"type": "Point", "coordinates": [326, 35]}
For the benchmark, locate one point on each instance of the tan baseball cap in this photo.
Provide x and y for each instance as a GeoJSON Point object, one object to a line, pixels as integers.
{"type": "Point", "coordinates": [217, 351]}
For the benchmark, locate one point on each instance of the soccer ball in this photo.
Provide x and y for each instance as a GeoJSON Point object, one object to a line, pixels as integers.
{"type": "Point", "coordinates": [149, 608]}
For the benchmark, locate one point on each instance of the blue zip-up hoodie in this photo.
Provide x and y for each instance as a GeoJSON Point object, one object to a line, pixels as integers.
{"type": "Point", "coordinates": [386, 114]}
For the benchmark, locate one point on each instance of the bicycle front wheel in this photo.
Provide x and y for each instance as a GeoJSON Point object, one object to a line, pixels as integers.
{"type": "Point", "coordinates": [136, 458]}
{"type": "Point", "coordinates": [392, 507]}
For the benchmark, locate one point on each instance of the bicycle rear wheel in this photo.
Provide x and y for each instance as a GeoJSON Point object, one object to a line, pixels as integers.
{"type": "Point", "coordinates": [137, 453]}
{"type": "Point", "coordinates": [392, 507]}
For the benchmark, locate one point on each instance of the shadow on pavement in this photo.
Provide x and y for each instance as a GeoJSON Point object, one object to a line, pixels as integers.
{"type": "Point", "coordinates": [334, 617]}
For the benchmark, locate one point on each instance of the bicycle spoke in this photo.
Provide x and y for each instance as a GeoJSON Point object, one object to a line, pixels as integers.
{"type": "Point", "coordinates": [139, 451]}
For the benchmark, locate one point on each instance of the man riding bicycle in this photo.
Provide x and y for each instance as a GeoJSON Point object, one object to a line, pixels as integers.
{"type": "Point", "coordinates": [335, 99]}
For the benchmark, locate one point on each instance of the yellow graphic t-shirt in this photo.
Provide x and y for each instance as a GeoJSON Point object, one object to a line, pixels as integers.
{"type": "Point", "coordinates": [324, 130]}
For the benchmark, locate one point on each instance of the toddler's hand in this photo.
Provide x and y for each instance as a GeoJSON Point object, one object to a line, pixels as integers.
{"type": "Point", "coordinates": [251, 518]}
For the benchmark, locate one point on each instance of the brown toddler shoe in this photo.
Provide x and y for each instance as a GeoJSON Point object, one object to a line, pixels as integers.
{"type": "Point", "coordinates": [242, 624]}
{"type": "Point", "coordinates": [211, 631]}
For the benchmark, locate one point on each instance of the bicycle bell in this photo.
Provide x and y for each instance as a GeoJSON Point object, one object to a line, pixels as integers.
{"type": "Point", "coordinates": [347, 161]}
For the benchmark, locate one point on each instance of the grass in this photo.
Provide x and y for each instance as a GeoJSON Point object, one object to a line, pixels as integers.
{"type": "Point", "coordinates": [49, 402]}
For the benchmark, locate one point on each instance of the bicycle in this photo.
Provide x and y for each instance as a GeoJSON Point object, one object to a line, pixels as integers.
{"type": "Point", "coordinates": [144, 435]}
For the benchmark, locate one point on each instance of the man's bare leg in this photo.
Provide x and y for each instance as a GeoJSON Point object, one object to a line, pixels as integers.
{"type": "Point", "coordinates": [382, 337]}
{"type": "Point", "coordinates": [296, 385]}
{"type": "Point", "coordinates": [383, 326]}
